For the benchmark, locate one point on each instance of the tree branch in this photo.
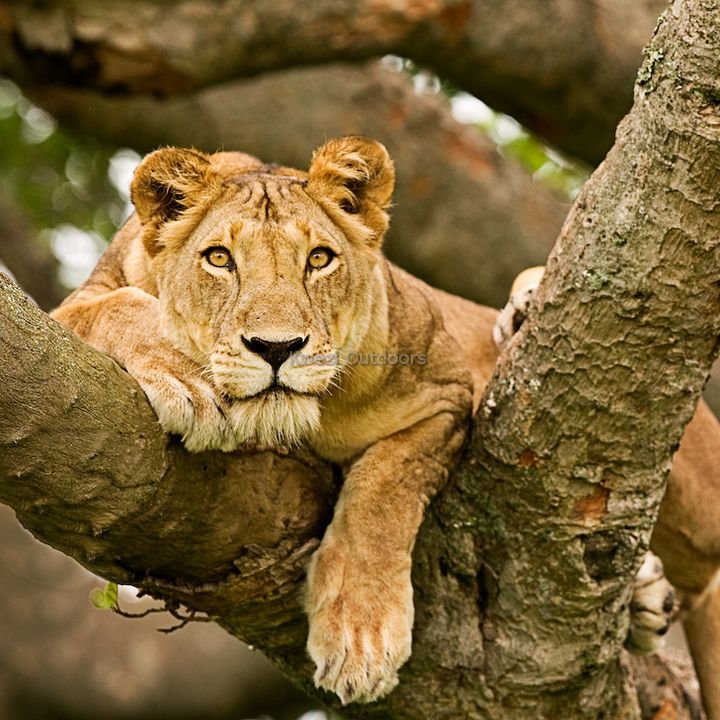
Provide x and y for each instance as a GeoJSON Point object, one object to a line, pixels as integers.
{"type": "Point", "coordinates": [570, 83]}
{"type": "Point", "coordinates": [584, 413]}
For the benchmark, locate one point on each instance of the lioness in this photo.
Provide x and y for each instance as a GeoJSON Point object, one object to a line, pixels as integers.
{"type": "Point", "coordinates": [255, 308]}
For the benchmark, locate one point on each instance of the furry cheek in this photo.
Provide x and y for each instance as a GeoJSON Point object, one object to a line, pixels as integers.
{"type": "Point", "coordinates": [304, 377]}
{"type": "Point", "coordinates": [239, 378]}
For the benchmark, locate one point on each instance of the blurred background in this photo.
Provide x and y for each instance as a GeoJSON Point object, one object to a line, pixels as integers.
{"type": "Point", "coordinates": [63, 194]}
{"type": "Point", "coordinates": [480, 196]}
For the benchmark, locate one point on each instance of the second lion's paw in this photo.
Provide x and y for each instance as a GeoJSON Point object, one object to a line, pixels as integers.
{"type": "Point", "coordinates": [652, 608]}
{"type": "Point", "coordinates": [513, 315]}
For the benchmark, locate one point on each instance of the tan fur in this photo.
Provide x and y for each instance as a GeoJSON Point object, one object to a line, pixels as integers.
{"type": "Point", "coordinates": [687, 538]}
{"type": "Point", "coordinates": [177, 324]}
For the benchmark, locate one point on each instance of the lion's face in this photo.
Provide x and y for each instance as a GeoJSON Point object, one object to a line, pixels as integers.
{"type": "Point", "coordinates": [266, 279]}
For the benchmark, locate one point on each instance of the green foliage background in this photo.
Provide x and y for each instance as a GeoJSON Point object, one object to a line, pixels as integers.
{"type": "Point", "coordinates": [72, 189]}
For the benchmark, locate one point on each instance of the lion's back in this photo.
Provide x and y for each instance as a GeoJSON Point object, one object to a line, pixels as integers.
{"type": "Point", "coordinates": [471, 325]}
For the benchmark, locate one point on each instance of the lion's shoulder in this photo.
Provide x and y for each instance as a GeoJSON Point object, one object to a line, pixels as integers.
{"type": "Point", "coordinates": [468, 324]}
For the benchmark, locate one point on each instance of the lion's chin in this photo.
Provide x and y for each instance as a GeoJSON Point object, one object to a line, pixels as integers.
{"type": "Point", "coordinates": [274, 419]}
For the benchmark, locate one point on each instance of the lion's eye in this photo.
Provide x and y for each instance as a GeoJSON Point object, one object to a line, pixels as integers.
{"type": "Point", "coordinates": [218, 257]}
{"type": "Point", "coordinates": [320, 258]}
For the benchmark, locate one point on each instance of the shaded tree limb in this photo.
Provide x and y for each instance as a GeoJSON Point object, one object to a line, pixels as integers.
{"type": "Point", "coordinates": [570, 83]}
{"type": "Point", "coordinates": [523, 564]}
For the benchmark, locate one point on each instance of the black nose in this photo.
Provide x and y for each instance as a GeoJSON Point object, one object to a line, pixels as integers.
{"type": "Point", "coordinates": [274, 353]}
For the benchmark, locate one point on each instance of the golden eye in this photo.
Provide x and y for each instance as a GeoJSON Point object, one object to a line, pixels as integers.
{"type": "Point", "coordinates": [218, 257]}
{"type": "Point", "coordinates": [320, 258]}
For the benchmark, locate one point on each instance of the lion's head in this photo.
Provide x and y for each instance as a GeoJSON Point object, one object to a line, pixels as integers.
{"type": "Point", "coordinates": [267, 276]}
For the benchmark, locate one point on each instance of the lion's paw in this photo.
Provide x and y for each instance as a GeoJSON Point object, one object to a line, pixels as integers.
{"type": "Point", "coordinates": [186, 404]}
{"type": "Point", "coordinates": [513, 315]}
{"type": "Point", "coordinates": [357, 657]}
{"type": "Point", "coordinates": [652, 608]}
{"type": "Point", "coordinates": [360, 630]}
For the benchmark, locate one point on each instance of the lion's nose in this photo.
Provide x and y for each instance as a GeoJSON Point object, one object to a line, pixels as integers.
{"type": "Point", "coordinates": [272, 352]}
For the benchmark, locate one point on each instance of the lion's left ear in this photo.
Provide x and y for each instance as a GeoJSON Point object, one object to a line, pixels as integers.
{"type": "Point", "coordinates": [353, 178]}
{"type": "Point", "coordinates": [168, 182]}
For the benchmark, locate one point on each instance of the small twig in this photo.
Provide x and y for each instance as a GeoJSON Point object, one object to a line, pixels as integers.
{"type": "Point", "coordinates": [184, 619]}
{"type": "Point", "coordinates": [169, 606]}
{"type": "Point", "coordinates": [135, 616]}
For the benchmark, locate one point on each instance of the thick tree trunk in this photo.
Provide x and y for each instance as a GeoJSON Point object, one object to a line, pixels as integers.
{"type": "Point", "coordinates": [564, 68]}
{"type": "Point", "coordinates": [581, 420]}
{"type": "Point", "coordinates": [523, 565]}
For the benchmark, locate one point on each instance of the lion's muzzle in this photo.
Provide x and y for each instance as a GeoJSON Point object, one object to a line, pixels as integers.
{"type": "Point", "coordinates": [274, 353]}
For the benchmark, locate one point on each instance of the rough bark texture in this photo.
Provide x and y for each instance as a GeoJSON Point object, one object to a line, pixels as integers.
{"type": "Point", "coordinates": [523, 565]}
{"type": "Point", "coordinates": [564, 68]}
{"type": "Point", "coordinates": [666, 686]}
{"type": "Point", "coordinates": [456, 196]}
{"type": "Point", "coordinates": [578, 427]}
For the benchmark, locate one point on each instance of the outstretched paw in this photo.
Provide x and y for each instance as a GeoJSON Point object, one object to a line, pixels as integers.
{"type": "Point", "coordinates": [652, 608]}
{"type": "Point", "coordinates": [360, 626]}
{"type": "Point", "coordinates": [185, 402]}
{"type": "Point", "coordinates": [513, 315]}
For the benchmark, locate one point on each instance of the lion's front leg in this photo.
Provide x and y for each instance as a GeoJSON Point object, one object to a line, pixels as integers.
{"type": "Point", "coordinates": [359, 595]}
{"type": "Point", "coordinates": [124, 324]}
{"type": "Point", "coordinates": [360, 609]}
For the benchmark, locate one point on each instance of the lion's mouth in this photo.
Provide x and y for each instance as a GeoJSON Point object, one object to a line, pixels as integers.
{"type": "Point", "coordinates": [274, 390]}
{"type": "Point", "coordinates": [241, 381]}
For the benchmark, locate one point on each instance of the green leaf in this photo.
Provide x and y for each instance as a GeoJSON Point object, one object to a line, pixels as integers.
{"type": "Point", "coordinates": [105, 599]}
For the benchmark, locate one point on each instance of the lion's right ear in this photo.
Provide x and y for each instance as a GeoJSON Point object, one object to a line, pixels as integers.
{"type": "Point", "coordinates": [168, 182]}
{"type": "Point", "coordinates": [353, 178]}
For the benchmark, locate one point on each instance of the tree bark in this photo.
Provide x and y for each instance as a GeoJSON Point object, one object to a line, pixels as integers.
{"type": "Point", "coordinates": [523, 565]}
{"type": "Point", "coordinates": [565, 69]}
{"type": "Point", "coordinates": [455, 198]}
{"type": "Point", "coordinates": [583, 415]}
